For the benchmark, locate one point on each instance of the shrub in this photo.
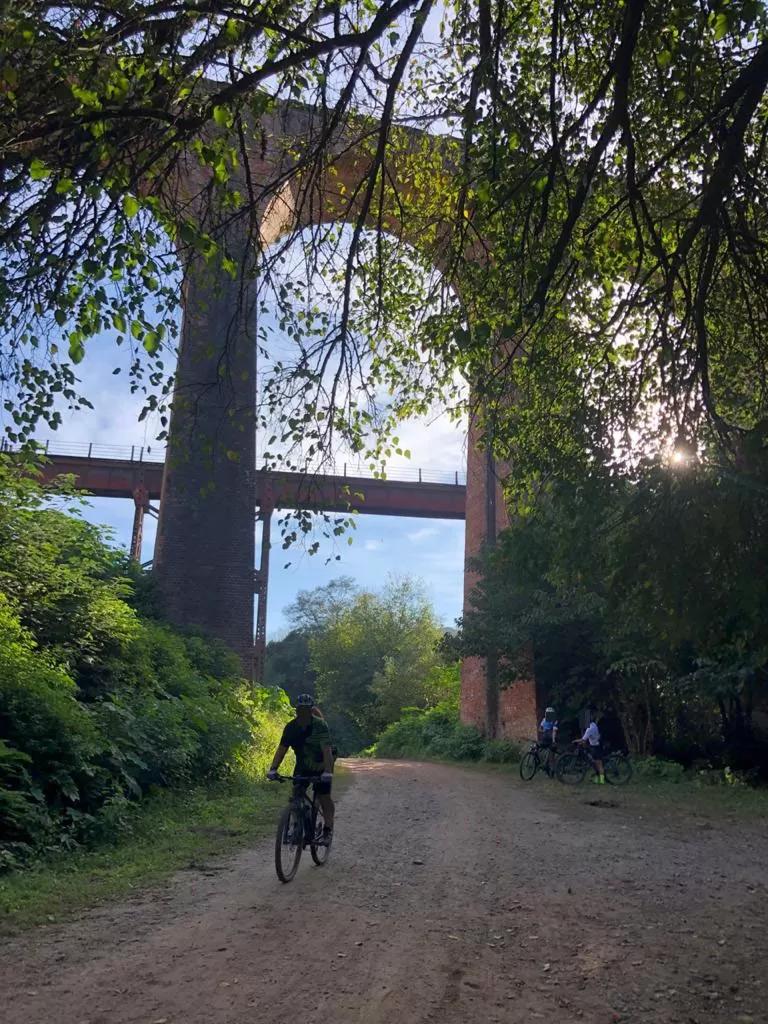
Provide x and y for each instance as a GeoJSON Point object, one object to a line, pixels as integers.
{"type": "Point", "coordinates": [98, 705]}
{"type": "Point", "coordinates": [73, 761]}
{"type": "Point", "coordinates": [48, 741]}
{"type": "Point", "coordinates": [434, 733]}
{"type": "Point", "coordinates": [657, 768]}
{"type": "Point", "coordinates": [502, 751]}
{"type": "Point", "coordinates": [459, 743]}
{"type": "Point", "coordinates": [265, 709]}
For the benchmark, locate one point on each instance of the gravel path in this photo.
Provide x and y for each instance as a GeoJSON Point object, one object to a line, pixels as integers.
{"type": "Point", "coordinates": [450, 896]}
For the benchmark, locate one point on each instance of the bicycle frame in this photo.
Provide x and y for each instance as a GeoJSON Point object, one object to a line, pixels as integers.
{"type": "Point", "coordinates": [299, 799]}
{"type": "Point", "coordinates": [585, 754]}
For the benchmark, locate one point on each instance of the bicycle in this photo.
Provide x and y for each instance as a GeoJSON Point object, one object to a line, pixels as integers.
{"type": "Point", "coordinates": [300, 826]}
{"type": "Point", "coordinates": [537, 759]}
{"type": "Point", "coordinates": [571, 768]}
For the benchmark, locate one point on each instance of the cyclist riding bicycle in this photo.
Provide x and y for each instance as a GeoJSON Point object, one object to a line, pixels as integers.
{"type": "Point", "coordinates": [548, 736]}
{"type": "Point", "coordinates": [310, 739]}
{"type": "Point", "coordinates": [592, 737]}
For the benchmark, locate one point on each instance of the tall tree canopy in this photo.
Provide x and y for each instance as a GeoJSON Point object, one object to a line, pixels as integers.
{"type": "Point", "coordinates": [641, 596]}
{"type": "Point", "coordinates": [620, 180]}
{"type": "Point", "coordinates": [365, 656]}
{"type": "Point", "coordinates": [600, 209]}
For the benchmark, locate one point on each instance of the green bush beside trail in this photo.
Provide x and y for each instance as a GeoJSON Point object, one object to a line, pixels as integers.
{"type": "Point", "coordinates": [100, 704]}
{"type": "Point", "coordinates": [438, 734]}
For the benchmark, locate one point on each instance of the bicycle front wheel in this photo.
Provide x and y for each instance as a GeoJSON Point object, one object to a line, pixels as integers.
{"type": "Point", "coordinates": [289, 843]}
{"type": "Point", "coordinates": [618, 769]}
{"type": "Point", "coordinates": [528, 766]}
{"type": "Point", "coordinates": [571, 769]}
{"type": "Point", "coordinates": [317, 847]}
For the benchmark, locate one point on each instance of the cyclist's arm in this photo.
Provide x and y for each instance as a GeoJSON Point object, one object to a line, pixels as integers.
{"type": "Point", "coordinates": [277, 760]}
{"type": "Point", "coordinates": [554, 734]}
{"type": "Point", "coordinates": [327, 759]}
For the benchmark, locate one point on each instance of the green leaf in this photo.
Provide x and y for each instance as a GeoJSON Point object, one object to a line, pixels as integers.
{"type": "Point", "coordinates": [223, 117]}
{"type": "Point", "coordinates": [76, 347]}
{"type": "Point", "coordinates": [88, 97]}
{"type": "Point", "coordinates": [722, 25]}
{"type": "Point", "coordinates": [38, 170]}
{"type": "Point", "coordinates": [131, 206]}
{"type": "Point", "coordinates": [151, 342]}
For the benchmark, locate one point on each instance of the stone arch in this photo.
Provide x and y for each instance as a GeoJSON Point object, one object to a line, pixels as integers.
{"type": "Point", "coordinates": [204, 561]}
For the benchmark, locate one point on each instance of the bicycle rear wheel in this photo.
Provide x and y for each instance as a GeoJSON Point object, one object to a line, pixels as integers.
{"type": "Point", "coordinates": [528, 766]}
{"type": "Point", "coordinates": [571, 769]}
{"type": "Point", "coordinates": [618, 769]}
{"type": "Point", "coordinates": [289, 843]}
{"type": "Point", "coordinates": [319, 850]}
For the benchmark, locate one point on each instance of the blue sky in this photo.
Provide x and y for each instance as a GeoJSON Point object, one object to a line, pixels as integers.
{"type": "Point", "coordinates": [431, 550]}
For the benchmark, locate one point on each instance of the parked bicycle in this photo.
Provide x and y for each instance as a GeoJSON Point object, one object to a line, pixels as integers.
{"type": "Point", "coordinates": [300, 826]}
{"type": "Point", "coordinates": [571, 768]}
{"type": "Point", "coordinates": [537, 760]}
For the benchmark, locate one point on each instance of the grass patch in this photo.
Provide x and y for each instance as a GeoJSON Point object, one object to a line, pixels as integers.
{"type": "Point", "coordinates": [687, 798]}
{"type": "Point", "coordinates": [170, 831]}
{"type": "Point", "coordinates": [682, 796]}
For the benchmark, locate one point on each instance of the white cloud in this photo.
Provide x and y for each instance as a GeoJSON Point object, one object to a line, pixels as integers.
{"type": "Point", "coordinates": [421, 535]}
{"type": "Point", "coordinates": [372, 545]}
{"type": "Point", "coordinates": [438, 444]}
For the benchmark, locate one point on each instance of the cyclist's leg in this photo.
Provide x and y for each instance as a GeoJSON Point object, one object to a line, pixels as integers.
{"type": "Point", "coordinates": [323, 791]}
{"type": "Point", "coordinates": [597, 761]}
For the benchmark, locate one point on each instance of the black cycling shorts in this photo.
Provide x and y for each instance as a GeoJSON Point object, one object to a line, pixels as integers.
{"type": "Point", "coordinates": [321, 788]}
{"type": "Point", "coordinates": [597, 753]}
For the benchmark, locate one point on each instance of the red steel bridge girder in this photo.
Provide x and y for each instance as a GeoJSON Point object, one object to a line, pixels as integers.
{"type": "Point", "coordinates": [122, 478]}
{"type": "Point", "coordinates": [113, 477]}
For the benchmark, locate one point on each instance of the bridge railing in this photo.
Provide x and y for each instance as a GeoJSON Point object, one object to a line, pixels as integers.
{"type": "Point", "coordinates": [156, 454]}
{"type": "Point", "coordinates": [84, 450]}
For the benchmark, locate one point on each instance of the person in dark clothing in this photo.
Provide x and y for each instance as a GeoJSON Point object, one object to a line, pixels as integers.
{"type": "Point", "coordinates": [310, 739]}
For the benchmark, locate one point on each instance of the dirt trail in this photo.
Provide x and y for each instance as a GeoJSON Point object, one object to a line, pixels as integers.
{"type": "Point", "coordinates": [525, 907]}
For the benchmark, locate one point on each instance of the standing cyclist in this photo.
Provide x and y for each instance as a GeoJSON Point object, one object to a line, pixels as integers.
{"type": "Point", "coordinates": [592, 737]}
{"type": "Point", "coordinates": [548, 737]}
{"type": "Point", "coordinates": [310, 739]}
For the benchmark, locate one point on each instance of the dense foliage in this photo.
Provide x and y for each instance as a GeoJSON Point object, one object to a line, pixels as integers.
{"type": "Point", "coordinates": [437, 733]}
{"type": "Point", "coordinates": [646, 597]}
{"type": "Point", "coordinates": [99, 704]}
{"type": "Point", "coordinates": [128, 143]}
{"type": "Point", "coordinates": [618, 187]}
{"type": "Point", "coordinates": [365, 655]}
{"type": "Point", "coordinates": [599, 208]}
{"type": "Point", "coordinates": [598, 205]}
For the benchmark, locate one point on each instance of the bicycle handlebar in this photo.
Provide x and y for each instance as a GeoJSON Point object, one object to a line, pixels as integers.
{"type": "Point", "coordinates": [298, 778]}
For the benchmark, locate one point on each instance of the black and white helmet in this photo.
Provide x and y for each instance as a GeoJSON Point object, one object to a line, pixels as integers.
{"type": "Point", "coordinates": [304, 700]}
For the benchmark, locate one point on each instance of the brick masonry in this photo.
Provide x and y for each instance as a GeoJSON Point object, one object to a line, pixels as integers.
{"type": "Point", "coordinates": [513, 714]}
{"type": "Point", "coordinates": [205, 548]}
